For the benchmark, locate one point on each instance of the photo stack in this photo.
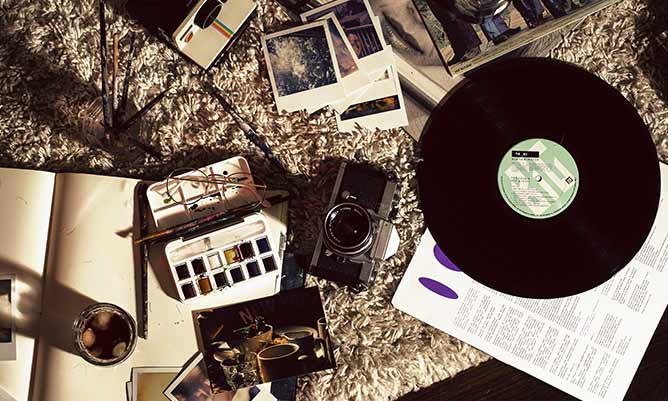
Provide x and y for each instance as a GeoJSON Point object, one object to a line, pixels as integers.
{"type": "Point", "coordinates": [191, 383]}
{"type": "Point", "coordinates": [338, 58]}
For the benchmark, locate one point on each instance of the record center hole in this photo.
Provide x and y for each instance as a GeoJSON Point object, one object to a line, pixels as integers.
{"type": "Point", "coordinates": [538, 178]}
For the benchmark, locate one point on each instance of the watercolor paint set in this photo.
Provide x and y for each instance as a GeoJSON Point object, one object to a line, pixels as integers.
{"type": "Point", "coordinates": [238, 262]}
{"type": "Point", "coordinates": [235, 260]}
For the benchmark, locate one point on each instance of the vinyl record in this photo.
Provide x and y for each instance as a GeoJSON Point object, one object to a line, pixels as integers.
{"type": "Point", "coordinates": [537, 178]}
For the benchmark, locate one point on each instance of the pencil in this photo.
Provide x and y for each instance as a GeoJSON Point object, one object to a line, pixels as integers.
{"type": "Point", "coordinates": [114, 86]}
{"type": "Point", "coordinates": [103, 63]}
{"type": "Point", "coordinates": [135, 117]}
{"type": "Point", "coordinates": [126, 79]}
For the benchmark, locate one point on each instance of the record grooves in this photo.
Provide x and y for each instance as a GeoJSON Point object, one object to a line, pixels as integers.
{"type": "Point", "coordinates": [538, 179]}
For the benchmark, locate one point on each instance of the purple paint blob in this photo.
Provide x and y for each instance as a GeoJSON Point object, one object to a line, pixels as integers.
{"type": "Point", "coordinates": [444, 260]}
{"type": "Point", "coordinates": [438, 288]}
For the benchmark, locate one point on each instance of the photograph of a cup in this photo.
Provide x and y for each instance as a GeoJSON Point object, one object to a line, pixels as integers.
{"type": "Point", "coordinates": [104, 334]}
{"type": "Point", "coordinates": [303, 339]}
{"type": "Point", "coordinates": [277, 361]}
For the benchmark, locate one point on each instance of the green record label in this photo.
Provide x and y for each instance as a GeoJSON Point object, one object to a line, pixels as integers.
{"type": "Point", "coordinates": [538, 178]}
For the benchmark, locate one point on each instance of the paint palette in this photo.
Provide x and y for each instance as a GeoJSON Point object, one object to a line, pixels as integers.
{"type": "Point", "coordinates": [235, 263]}
{"type": "Point", "coordinates": [175, 202]}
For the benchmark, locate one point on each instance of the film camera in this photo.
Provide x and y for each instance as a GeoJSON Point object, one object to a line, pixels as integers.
{"type": "Point", "coordinates": [356, 232]}
{"type": "Point", "coordinates": [211, 27]}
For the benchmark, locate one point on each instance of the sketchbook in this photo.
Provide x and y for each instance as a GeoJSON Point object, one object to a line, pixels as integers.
{"type": "Point", "coordinates": [66, 243]}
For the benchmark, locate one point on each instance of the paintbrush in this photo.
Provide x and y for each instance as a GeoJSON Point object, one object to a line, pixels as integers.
{"type": "Point", "coordinates": [207, 221]}
{"type": "Point", "coordinates": [143, 253]}
{"type": "Point", "coordinates": [103, 63]}
{"type": "Point", "coordinates": [663, 40]}
{"type": "Point", "coordinates": [135, 117]}
{"type": "Point", "coordinates": [126, 80]}
{"type": "Point", "coordinates": [249, 132]}
{"type": "Point", "coordinates": [141, 145]}
{"type": "Point", "coordinates": [114, 85]}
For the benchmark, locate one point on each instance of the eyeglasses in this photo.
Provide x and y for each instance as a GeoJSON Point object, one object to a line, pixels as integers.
{"type": "Point", "coordinates": [195, 188]}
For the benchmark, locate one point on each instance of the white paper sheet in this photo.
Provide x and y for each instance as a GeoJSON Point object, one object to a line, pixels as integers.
{"type": "Point", "coordinates": [91, 260]}
{"type": "Point", "coordinates": [588, 345]}
{"type": "Point", "coordinates": [25, 210]}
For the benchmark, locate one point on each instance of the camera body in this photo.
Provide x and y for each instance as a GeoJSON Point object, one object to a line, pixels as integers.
{"type": "Point", "coordinates": [356, 232]}
{"type": "Point", "coordinates": [211, 27]}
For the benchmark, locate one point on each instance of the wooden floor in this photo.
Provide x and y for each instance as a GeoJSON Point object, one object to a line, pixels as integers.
{"type": "Point", "coordinates": [494, 380]}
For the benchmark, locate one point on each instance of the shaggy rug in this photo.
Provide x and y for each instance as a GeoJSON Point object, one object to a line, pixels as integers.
{"type": "Point", "coordinates": [49, 83]}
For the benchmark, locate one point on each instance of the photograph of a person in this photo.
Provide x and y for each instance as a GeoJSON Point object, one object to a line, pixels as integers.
{"type": "Point", "coordinates": [345, 60]}
{"type": "Point", "coordinates": [301, 61]}
{"type": "Point", "coordinates": [465, 44]}
{"type": "Point", "coordinates": [265, 340]}
{"type": "Point", "coordinates": [355, 19]}
{"type": "Point", "coordinates": [192, 384]}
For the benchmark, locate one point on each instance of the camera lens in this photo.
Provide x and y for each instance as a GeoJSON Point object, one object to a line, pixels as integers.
{"type": "Point", "coordinates": [348, 229]}
{"type": "Point", "coordinates": [207, 13]}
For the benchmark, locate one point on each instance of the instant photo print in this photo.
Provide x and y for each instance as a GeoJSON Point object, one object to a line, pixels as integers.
{"type": "Point", "coordinates": [192, 384]}
{"type": "Point", "coordinates": [381, 107]}
{"type": "Point", "coordinates": [356, 19]}
{"type": "Point", "coordinates": [354, 80]}
{"type": "Point", "coordinates": [264, 340]}
{"type": "Point", "coordinates": [302, 67]}
{"type": "Point", "coordinates": [148, 383]}
{"type": "Point", "coordinates": [7, 317]}
{"type": "Point", "coordinates": [211, 27]}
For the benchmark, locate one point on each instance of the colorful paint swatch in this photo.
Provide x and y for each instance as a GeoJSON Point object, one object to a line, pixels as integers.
{"type": "Point", "coordinates": [231, 255]}
{"type": "Point", "coordinates": [188, 290]}
{"type": "Point", "coordinates": [253, 269]}
{"type": "Point", "coordinates": [182, 272]}
{"type": "Point", "coordinates": [237, 275]}
{"type": "Point", "coordinates": [269, 264]}
{"type": "Point", "coordinates": [246, 250]}
{"type": "Point", "coordinates": [204, 285]}
{"type": "Point", "coordinates": [214, 261]}
{"type": "Point", "coordinates": [198, 266]}
{"type": "Point", "coordinates": [220, 279]}
{"type": "Point", "coordinates": [263, 245]}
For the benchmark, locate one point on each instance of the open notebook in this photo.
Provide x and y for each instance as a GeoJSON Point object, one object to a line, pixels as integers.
{"type": "Point", "coordinates": [67, 239]}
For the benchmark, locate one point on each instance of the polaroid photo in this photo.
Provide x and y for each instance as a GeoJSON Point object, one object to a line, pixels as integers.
{"type": "Point", "coordinates": [356, 19]}
{"type": "Point", "coordinates": [8, 315]}
{"type": "Point", "coordinates": [265, 340]}
{"type": "Point", "coordinates": [302, 67]}
{"type": "Point", "coordinates": [128, 390]}
{"type": "Point", "coordinates": [192, 384]}
{"type": "Point", "coordinates": [382, 107]}
{"type": "Point", "coordinates": [355, 81]}
{"type": "Point", "coordinates": [148, 383]}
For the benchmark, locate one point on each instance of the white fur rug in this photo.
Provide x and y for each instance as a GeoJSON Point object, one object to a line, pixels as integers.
{"type": "Point", "coordinates": [49, 78]}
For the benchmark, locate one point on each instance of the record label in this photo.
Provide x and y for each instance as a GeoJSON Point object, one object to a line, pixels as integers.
{"type": "Point", "coordinates": [538, 178]}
